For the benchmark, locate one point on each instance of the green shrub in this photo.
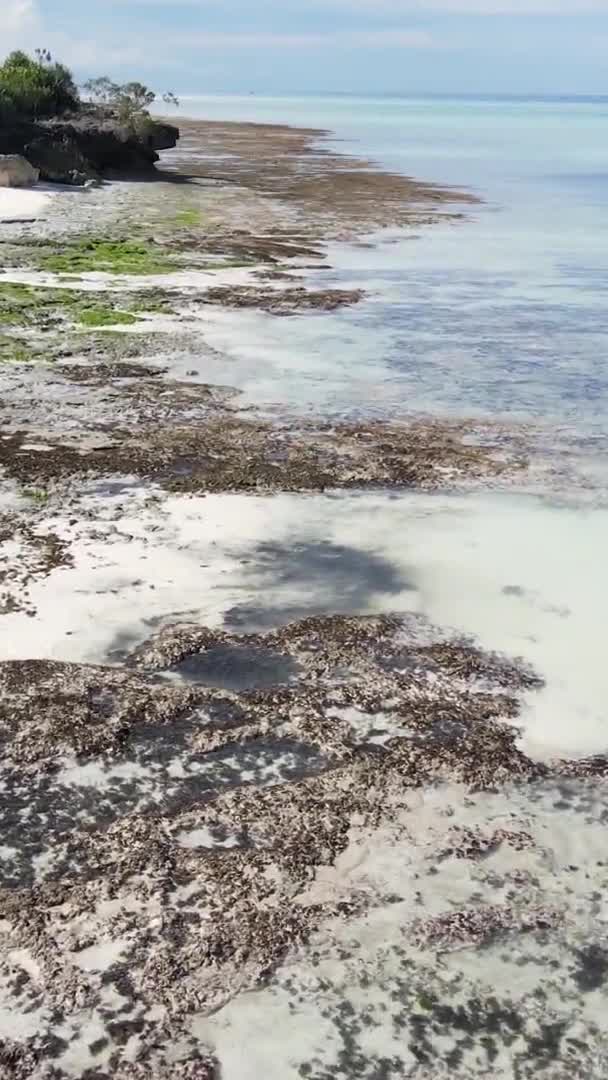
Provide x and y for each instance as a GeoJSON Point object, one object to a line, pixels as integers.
{"type": "Point", "coordinates": [8, 112]}
{"type": "Point", "coordinates": [32, 88]}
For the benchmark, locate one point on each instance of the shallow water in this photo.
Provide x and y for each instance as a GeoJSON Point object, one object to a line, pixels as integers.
{"type": "Point", "coordinates": [236, 667]}
{"type": "Point", "coordinates": [502, 316]}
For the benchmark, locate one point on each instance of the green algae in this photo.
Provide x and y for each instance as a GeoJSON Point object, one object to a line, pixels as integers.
{"type": "Point", "coordinates": [189, 217]}
{"type": "Point", "coordinates": [14, 350]}
{"type": "Point", "coordinates": [105, 316]}
{"type": "Point", "coordinates": [47, 308]}
{"type": "Point", "coordinates": [70, 258]}
{"type": "Point", "coordinates": [14, 304]}
{"type": "Point", "coordinates": [69, 343]}
{"type": "Point", "coordinates": [22, 305]}
{"type": "Point", "coordinates": [37, 495]}
{"type": "Point", "coordinates": [152, 303]}
{"type": "Point", "coordinates": [107, 256]}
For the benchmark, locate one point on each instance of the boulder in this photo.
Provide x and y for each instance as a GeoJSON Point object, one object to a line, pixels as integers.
{"type": "Point", "coordinates": [15, 171]}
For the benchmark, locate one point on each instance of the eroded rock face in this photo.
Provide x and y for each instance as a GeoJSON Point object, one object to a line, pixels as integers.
{"type": "Point", "coordinates": [86, 147]}
{"type": "Point", "coordinates": [59, 158]}
{"type": "Point", "coordinates": [15, 171]}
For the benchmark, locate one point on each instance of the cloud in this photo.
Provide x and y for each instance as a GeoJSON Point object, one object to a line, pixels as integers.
{"type": "Point", "coordinates": [149, 38]}
{"type": "Point", "coordinates": [18, 20]}
{"type": "Point", "coordinates": [393, 7]}
{"type": "Point", "coordinates": [477, 7]}
{"type": "Point", "coordinates": [346, 39]}
{"type": "Point", "coordinates": [22, 26]}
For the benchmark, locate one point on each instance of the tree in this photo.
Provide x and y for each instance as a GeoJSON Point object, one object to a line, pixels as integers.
{"type": "Point", "coordinates": [102, 90]}
{"type": "Point", "coordinates": [139, 96]}
{"type": "Point", "coordinates": [132, 102]}
{"type": "Point", "coordinates": [129, 102]}
{"type": "Point", "coordinates": [33, 88]}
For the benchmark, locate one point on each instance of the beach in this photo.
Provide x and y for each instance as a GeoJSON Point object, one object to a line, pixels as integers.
{"type": "Point", "coordinates": [21, 204]}
{"type": "Point", "coordinates": [302, 694]}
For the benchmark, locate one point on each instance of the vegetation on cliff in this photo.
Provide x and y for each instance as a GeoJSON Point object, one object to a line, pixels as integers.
{"type": "Point", "coordinates": [129, 102]}
{"type": "Point", "coordinates": [35, 88]}
{"type": "Point", "coordinates": [71, 139]}
{"type": "Point", "coordinates": [38, 87]}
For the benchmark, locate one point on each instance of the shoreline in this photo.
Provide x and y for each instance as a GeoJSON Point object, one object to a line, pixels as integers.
{"type": "Point", "coordinates": [343, 194]}
{"type": "Point", "coordinates": [168, 251]}
{"type": "Point", "coordinates": [277, 696]}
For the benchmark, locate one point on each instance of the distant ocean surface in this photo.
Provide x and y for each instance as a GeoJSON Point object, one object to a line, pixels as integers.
{"type": "Point", "coordinates": [504, 315]}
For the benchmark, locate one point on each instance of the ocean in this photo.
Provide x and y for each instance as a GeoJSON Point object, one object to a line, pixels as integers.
{"type": "Point", "coordinates": [502, 317]}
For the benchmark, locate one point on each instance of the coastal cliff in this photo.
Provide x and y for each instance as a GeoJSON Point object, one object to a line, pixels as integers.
{"type": "Point", "coordinates": [87, 146]}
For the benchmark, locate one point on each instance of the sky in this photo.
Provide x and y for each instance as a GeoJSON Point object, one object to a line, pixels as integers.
{"type": "Point", "coordinates": [308, 46]}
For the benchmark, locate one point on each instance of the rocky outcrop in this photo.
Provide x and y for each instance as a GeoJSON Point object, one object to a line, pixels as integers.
{"type": "Point", "coordinates": [282, 301]}
{"type": "Point", "coordinates": [87, 147]}
{"type": "Point", "coordinates": [15, 171]}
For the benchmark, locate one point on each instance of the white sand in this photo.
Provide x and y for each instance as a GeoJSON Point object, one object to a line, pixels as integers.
{"type": "Point", "coordinates": [22, 204]}
{"type": "Point", "coordinates": [94, 280]}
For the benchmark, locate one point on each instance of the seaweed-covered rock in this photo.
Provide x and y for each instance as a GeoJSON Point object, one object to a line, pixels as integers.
{"type": "Point", "coordinates": [282, 301]}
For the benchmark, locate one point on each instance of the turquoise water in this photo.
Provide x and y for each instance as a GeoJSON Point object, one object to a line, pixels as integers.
{"type": "Point", "coordinates": [504, 315]}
